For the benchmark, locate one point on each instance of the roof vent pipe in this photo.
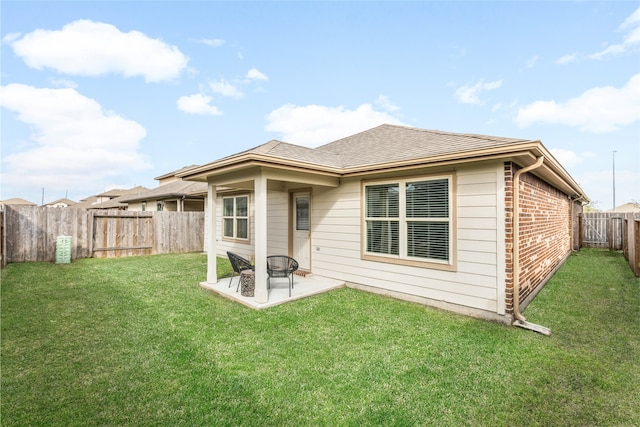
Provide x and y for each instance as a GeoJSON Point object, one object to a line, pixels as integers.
{"type": "Point", "coordinates": [521, 321]}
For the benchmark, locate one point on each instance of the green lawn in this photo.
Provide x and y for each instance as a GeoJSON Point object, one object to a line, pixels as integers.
{"type": "Point", "coordinates": [136, 341]}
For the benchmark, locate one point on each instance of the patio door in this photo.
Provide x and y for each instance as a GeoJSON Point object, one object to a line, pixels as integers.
{"type": "Point", "coordinates": [301, 230]}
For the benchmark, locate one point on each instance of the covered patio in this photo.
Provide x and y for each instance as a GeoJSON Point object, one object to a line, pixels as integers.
{"type": "Point", "coordinates": [275, 216]}
{"type": "Point", "coordinates": [278, 293]}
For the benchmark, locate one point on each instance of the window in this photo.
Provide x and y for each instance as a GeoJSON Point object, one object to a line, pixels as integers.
{"type": "Point", "coordinates": [302, 213]}
{"type": "Point", "coordinates": [409, 219]}
{"type": "Point", "coordinates": [235, 217]}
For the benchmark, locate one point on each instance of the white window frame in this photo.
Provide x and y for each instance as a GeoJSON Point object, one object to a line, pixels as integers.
{"type": "Point", "coordinates": [235, 217]}
{"type": "Point", "coordinates": [403, 257]}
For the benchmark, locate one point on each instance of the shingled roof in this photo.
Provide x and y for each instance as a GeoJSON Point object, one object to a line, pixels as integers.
{"type": "Point", "coordinates": [168, 191]}
{"type": "Point", "coordinates": [392, 143]}
{"type": "Point", "coordinates": [388, 147]}
{"type": "Point", "coordinates": [383, 144]}
{"type": "Point", "coordinates": [291, 152]}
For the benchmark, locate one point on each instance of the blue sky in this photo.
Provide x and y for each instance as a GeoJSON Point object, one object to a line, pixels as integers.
{"type": "Point", "coordinates": [97, 95]}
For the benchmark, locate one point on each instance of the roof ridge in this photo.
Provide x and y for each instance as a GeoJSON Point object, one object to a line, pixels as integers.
{"type": "Point", "coordinates": [436, 131]}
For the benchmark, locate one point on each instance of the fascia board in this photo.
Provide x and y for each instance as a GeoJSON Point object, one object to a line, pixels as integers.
{"type": "Point", "coordinates": [523, 154]}
{"type": "Point", "coordinates": [252, 161]}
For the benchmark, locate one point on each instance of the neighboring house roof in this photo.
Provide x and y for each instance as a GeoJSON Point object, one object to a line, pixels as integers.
{"type": "Point", "coordinates": [115, 192]}
{"type": "Point", "coordinates": [174, 173]}
{"type": "Point", "coordinates": [172, 190]}
{"type": "Point", "coordinates": [17, 201]}
{"type": "Point", "coordinates": [627, 208]}
{"type": "Point", "coordinates": [86, 203]}
{"type": "Point", "coordinates": [389, 147]}
{"type": "Point", "coordinates": [109, 204]}
{"type": "Point", "coordinates": [67, 202]}
{"type": "Point", "coordinates": [113, 203]}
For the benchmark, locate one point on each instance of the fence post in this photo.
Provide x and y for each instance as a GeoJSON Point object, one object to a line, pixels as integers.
{"type": "Point", "coordinates": [3, 240]}
{"type": "Point", "coordinates": [610, 233]}
{"type": "Point", "coordinates": [580, 231]}
{"type": "Point", "coordinates": [636, 238]}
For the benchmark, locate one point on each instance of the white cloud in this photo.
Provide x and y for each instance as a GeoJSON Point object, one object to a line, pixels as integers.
{"type": "Point", "coordinates": [633, 19]}
{"type": "Point", "coordinates": [314, 125]}
{"type": "Point", "coordinates": [385, 103]}
{"type": "Point", "coordinates": [11, 37]}
{"type": "Point", "coordinates": [211, 42]}
{"type": "Point", "coordinates": [89, 48]}
{"type": "Point", "coordinates": [197, 104]}
{"type": "Point", "coordinates": [255, 74]}
{"type": "Point", "coordinates": [532, 61]}
{"type": "Point", "coordinates": [75, 143]}
{"type": "Point", "coordinates": [471, 94]}
{"type": "Point", "coordinates": [630, 40]}
{"type": "Point", "coordinates": [598, 110]}
{"type": "Point", "coordinates": [567, 59]}
{"type": "Point", "coordinates": [568, 158]}
{"type": "Point", "coordinates": [57, 82]}
{"type": "Point", "coordinates": [225, 88]}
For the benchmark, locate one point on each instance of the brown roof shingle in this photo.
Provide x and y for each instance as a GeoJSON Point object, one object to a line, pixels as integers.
{"type": "Point", "coordinates": [170, 190]}
{"type": "Point", "coordinates": [392, 143]}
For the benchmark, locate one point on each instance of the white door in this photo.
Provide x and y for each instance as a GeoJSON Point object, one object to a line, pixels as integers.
{"type": "Point", "coordinates": [301, 226]}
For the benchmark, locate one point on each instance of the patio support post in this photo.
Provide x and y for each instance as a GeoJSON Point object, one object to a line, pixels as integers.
{"type": "Point", "coordinates": [212, 276]}
{"type": "Point", "coordinates": [260, 191]}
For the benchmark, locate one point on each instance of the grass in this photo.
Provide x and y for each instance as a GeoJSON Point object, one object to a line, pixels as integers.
{"type": "Point", "coordinates": [135, 341]}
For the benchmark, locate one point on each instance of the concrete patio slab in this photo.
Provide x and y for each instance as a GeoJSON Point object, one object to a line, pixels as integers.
{"type": "Point", "coordinates": [279, 293]}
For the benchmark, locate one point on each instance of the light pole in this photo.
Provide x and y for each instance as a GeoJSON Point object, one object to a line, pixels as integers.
{"type": "Point", "coordinates": [614, 180]}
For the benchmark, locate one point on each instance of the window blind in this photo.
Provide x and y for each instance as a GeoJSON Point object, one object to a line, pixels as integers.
{"type": "Point", "coordinates": [409, 219]}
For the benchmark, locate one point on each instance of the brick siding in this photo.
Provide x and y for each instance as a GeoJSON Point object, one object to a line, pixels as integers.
{"type": "Point", "coordinates": [545, 232]}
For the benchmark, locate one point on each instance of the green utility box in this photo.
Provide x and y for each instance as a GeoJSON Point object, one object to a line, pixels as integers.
{"type": "Point", "coordinates": [63, 250]}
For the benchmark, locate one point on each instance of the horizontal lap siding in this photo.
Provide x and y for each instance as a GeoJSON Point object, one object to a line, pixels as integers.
{"type": "Point", "coordinates": [278, 223]}
{"type": "Point", "coordinates": [336, 246]}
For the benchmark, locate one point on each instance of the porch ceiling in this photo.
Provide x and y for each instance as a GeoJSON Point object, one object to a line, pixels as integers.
{"type": "Point", "coordinates": [277, 177]}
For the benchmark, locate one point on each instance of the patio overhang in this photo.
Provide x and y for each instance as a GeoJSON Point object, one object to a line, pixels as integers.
{"type": "Point", "coordinates": [243, 177]}
{"type": "Point", "coordinates": [259, 178]}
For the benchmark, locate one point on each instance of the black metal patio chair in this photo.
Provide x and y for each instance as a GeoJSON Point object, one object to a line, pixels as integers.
{"type": "Point", "coordinates": [238, 264]}
{"type": "Point", "coordinates": [281, 266]}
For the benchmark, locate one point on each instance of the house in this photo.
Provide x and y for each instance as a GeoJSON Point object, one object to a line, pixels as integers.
{"type": "Point", "coordinates": [630, 207]}
{"type": "Point", "coordinates": [110, 199]}
{"type": "Point", "coordinates": [60, 203]}
{"type": "Point", "coordinates": [470, 223]}
{"type": "Point", "coordinates": [16, 201]}
{"type": "Point", "coordinates": [172, 194]}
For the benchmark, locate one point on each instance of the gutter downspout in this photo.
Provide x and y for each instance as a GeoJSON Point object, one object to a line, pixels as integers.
{"type": "Point", "coordinates": [521, 321]}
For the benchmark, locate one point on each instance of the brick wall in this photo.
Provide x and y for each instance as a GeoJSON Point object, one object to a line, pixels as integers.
{"type": "Point", "coordinates": [545, 232]}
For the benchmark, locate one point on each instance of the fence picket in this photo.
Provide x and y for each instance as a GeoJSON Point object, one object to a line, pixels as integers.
{"type": "Point", "coordinates": [604, 229]}
{"type": "Point", "coordinates": [30, 232]}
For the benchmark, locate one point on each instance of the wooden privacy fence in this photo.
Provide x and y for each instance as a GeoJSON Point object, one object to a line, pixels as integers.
{"type": "Point", "coordinates": [632, 243]}
{"type": "Point", "coordinates": [634, 259]}
{"type": "Point", "coordinates": [614, 231]}
{"type": "Point", "coordinates": [603, 230]}
{"type": "Point", "coordinates": [30, 233]}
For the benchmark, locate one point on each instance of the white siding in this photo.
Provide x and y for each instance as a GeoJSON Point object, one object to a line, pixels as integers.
{"type": "Point", "coordinates": [336, 248]}
{"type": "Point", "coordinates": [278, 223]}
{"type": "Point", "coordinates": [152, 206]}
